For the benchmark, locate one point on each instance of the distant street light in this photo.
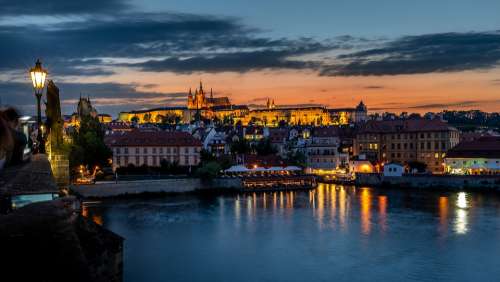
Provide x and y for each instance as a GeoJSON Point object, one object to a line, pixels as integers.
{"type": "Point", "coordinates": [38, 75]}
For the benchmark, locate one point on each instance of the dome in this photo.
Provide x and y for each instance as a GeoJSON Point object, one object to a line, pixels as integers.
{"type": "Point", "coordinates": [361, 107]}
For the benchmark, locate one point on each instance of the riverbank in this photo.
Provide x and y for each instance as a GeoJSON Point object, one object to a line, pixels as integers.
{"type": "Point", "coordinates": [446, 182]}
{"type": "Point", "coordinates": [108, 189]}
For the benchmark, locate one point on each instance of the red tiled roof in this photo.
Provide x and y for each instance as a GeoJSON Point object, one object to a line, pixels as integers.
{"type": "Point", "coordinates": [411, 125]}
{"type": "Point", "coordinates": [155, 138]}
{"type": "Point", "coordinates": [484, 147]}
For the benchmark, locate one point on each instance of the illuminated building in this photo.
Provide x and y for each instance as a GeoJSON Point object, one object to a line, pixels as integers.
{"type": "Point", "coordinates": [157, 115]}
{"type": "Point", "coordinates": [85, 109]}
{"type": "Point", "coordinates": [199, 100]}
{"type": "Point", "coordinates": [151, 147]}
{"type": "Point", "coordinates": [211, 107]}
{"type": "Point", "coordinates": [481, 156]}
{"type": "Point", "coordinates": [422, 140]}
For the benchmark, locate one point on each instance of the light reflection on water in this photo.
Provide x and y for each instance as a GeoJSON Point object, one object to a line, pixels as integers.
{"type": "Point", "coordinates": [308, 235]}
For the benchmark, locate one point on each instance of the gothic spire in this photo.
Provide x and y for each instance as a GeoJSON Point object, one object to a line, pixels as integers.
{"type": "Point", "coordinates": [211, 93]}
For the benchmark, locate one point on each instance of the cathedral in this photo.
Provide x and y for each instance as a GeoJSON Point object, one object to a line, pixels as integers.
{"type": "Point", "coordinates": [199, 101]}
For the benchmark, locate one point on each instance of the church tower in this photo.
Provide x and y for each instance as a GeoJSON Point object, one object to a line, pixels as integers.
{"type": "Point", "coordinates": [190, 99]}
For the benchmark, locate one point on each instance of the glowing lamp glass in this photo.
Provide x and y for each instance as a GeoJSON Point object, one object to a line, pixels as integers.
{"type": "Point", "coordinates": [38, 75]}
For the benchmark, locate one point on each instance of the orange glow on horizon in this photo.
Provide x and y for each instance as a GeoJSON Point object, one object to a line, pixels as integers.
{"type": "Point", "coordinates": [459, 90]}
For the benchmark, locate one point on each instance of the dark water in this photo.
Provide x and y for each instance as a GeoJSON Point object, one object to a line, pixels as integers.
{"type": "Point", "coordinates": [333, 233]}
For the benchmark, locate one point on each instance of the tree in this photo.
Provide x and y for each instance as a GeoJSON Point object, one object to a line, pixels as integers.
{"type": "Point", "coordinates": [88, 146]}
{"type": "Point", "coordinates": [209, 170]}
{"type": "Point", "coordinates": [282, 123]}
{"type": "Point", "coordinates": [147, 117]}
{"type": "Point", "coordinates": [296, 158]}
{"type": "Point", "coordinates": [264, 147]}
{"type": "Point", "coordinates": [241, 146]}
{"type": "Point", "coordinates": [134, 119]}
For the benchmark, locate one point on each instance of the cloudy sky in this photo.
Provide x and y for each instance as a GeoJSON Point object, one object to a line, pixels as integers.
{"type": "Point", "coordinates": [416, 56]}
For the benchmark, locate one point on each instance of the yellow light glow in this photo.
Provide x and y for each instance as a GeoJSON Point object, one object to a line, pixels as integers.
{"type": "Point", "coordinates": [38, 75]}
{"type": "Point", "coordinates": [462, 200]}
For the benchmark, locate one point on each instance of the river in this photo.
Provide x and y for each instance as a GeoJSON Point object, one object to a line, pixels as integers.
{"type": "Point", "coordinates": [332, 233]}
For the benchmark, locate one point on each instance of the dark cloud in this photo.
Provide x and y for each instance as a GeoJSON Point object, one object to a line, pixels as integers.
{"type": "Point", "coordinates": [374, 87]}
{"type": "Point", "coordinates": [178, 42]}
{"type": "Point", "coordinates": [230, 62]}
{"type": "Point", "coordinates": [447, 105]}
{"type": "Point", "coordinates": [106, 96]}
{"type": "Point", "coordinates": [60, 7]}
{"type": "Point", "coordinates": [446, 52]}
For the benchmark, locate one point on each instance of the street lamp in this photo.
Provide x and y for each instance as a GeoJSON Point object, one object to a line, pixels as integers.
{"type": "Point", "coordinates": [38, 75]}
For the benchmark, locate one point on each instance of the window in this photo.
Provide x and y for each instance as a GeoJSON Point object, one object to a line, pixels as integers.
{"type": "Point", "coordinates": [145, 151]}
{"type": "Point", "coordinates": [118, 160]}
{"type": "Point", "coordinates": [186, 150]}
{"type": "Point", "coordinates": [161, 150]}
{"type": "Point", "coordinates": [168, 150]}
{"type": "Point", "coordinates": [399, 146]}
{"type": "Point", "coordinates": [137, 151]}
{"type": "Point", "coordinates": [393, 146]}
{"type": "Point", "coordinates": [186, 160]}
{"type": "Point", "coordinates": [428, 145]}
{"type": "Point", "coordinates": [154, 150]}
{"type": "Point", "coordinates": [126, 152]}
{"type": "Point", "coordinates": [137, 160]}
{"type": "Point", "coordinates": [145, 160]}
{"type": "Point", "coordinates": [436, 155]}
{"type": "Point", "coordinates": [117, 150]}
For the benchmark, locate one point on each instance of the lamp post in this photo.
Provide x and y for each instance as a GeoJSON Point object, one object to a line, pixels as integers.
{"type": "Point", "coordinates": [38, 75]}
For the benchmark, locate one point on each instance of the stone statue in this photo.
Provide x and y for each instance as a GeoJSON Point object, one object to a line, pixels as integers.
{"type": "Point", "coordinates": [53, 113]}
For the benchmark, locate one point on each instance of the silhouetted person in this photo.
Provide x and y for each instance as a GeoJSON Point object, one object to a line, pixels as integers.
{"type": "Point", "coordinates": [6, 141]}
{"type": "Point", "coordinates": [20, 140]}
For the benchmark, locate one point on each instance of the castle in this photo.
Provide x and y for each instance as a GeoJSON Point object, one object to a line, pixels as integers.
{"type": "Point", "coordinates": [199, 101]}
{"type": "Point", "coordinates": [221, 108]}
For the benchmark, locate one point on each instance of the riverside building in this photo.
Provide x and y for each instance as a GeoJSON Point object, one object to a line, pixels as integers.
{"type": "Point", "coordinates": [152, 147]}
{"type": "Point", "coordinates": [404, 141]}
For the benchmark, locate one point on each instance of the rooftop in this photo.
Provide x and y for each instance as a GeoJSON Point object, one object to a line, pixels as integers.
{"type": "Point", "coordinates": [138, 138]}
{"type": "Point", "coordinates": [410, 125]}
{"type": "Point", "coordinates": [484, 147]}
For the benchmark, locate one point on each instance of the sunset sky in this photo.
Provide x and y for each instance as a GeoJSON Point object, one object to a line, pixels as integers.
{"type": "Point", "coordinates": [395, 55]}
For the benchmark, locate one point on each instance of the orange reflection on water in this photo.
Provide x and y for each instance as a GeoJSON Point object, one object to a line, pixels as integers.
{"type": "Point", "coordinates": [382, 210]}
{"type": "Point", "coordinates": [321, 203]}
{"type": "Point", "coordinates": [365, 211]}
{"type": "Point", "coordinates": [333, 201]}
{"type": "Point", "coordinates": [443, 214]}
{"type": "Point", "coordinates": [342, 207]}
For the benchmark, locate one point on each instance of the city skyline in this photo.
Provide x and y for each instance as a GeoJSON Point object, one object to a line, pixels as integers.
{"type": "Point", "coordinates": [131, 55]}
